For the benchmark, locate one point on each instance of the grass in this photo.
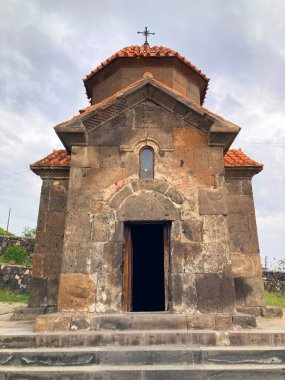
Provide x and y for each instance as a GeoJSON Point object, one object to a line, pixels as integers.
{"type": "Point", "coordinates": [275, 299]}
{"type": "Point", "coordinates": [6, 295]}
{"type": "Point", "coordinates": [26, 262]}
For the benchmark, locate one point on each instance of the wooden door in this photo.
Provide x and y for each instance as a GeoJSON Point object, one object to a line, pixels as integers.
{"type": "Point", "coordinates": [128, 269]}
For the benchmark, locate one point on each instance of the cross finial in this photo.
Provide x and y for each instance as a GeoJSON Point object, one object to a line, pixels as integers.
{"type": "Point", "coordinates": [146, 33]}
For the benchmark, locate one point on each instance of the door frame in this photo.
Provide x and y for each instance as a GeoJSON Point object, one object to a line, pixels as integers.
{"type": "Point", "coordinates": [128, 264]}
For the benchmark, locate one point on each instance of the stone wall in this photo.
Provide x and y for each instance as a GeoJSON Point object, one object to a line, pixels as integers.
{"type": "Point", "coordinates": [28, 244]}
{"type": "Point", "coordinates": [15, 277]}
{"type": "Point", "coordinates": [274, 281]}
{"type": "Point", "coordinates": [105, 192]}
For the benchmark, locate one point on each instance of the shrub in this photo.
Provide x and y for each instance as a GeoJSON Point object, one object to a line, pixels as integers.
{"type": "Point", "coordinates": [5, 233]}
{"type": "Point", "coordinates": [16, 253]}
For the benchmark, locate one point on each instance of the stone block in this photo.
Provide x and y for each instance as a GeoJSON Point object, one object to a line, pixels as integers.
{"type": "Point", "coordinates": [215, 256]}
{"type": "Point", "coordinates": [189, 296]}
{"type": "Point", "coordinates": [177, 257]}
{"type": "Point", "coordinates": [240, 204]}
{"type": "Point", "coordinates": [234, 186]}
{"type": "Point", "coordinates": [114, 322]}
{"type": "Point", "coordinates": [223, 322]}
{"type": "Point", "coordinates": [245, 265]}
{"type": "Point", "coordinates": [200, 321]}
{"type": "Point", "coordinates": [109, 156]}
{"type": "Point", "coordinates": [147, 206]}
{"type": "Point", "coordinates": [177, 291]}
{"type": "Point", "coordinates": [80, 322]}
{"type": "Point", "coordinates": [175, 231]}
{"type": "Point", "coordinates": [249, 291]}
{"type": "Point", "coordinates": [159, 322]}
{"type": "Point", "coordinates": [76, 292]}
{"type": "Point", "coordinates": [193, 229]}
{"type": "Point", "coordinates": [38, 292]}
{"type": "Point", "coordinates": [174, 195]}
{"type": "Point", "coordinates": [52, 322]}
{"type": "Point", "coordinates": [215, 229]}
{"type": "Point", "coordinates": [57, 203]}
{"type": "Point", "coordinates": [238, 223]}
{"type": "Point", "coordinates": [271, 312]}
{"type": "Point", "coordinates": [193, 258]}
{"type": "Point", "coordinates": [244, 320]}
{"type": "Point", "coordinates": [150, 184]}
{"type": "Point", "coordinates": [212, 202]}
{"type": "Point", "coordinates": [215, 293]}
{"type": "Point", "coordinates": [83, 157]}
{"type": "Point", "coordinates": [120, 196]}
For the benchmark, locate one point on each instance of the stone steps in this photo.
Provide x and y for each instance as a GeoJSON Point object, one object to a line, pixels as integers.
{"type": "Point", "coordinates": [143, 355]}
{"type": "Point", "coordinates": [148, 372]}
{"type": "Point", "coordinates": [88, 338]}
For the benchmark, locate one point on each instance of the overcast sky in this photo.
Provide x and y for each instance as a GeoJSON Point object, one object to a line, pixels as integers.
{"type": "Point", "coordinates": [48, 46]}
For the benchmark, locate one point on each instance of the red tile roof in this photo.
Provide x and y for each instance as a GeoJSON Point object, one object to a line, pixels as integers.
{"type": "Point", "coordinates": [56, 158]}
{"type": "Point", "coordinates": [146, 51]}
{"type": "Point", "coordinates": [233, 158]}
{"type": "Point", "coordinates": [236, 158]}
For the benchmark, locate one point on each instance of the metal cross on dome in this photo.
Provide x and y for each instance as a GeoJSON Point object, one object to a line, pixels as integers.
{"type": "Point", "coordinates": [146, 33]}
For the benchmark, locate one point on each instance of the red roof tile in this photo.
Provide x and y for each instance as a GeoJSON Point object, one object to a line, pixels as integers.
{"type": "Point", "coordinates": [56, 158]}
{"type": "Point", "coordinates": [233, 158]}
{"type": "Point", "coordinates": [236, 158]}
{"type": "Point", "coordinates": [146, 51]}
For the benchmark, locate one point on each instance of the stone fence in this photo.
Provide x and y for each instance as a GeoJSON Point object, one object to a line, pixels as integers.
{"type": "Point", "coordinates": [274, 281]}
{"type": "Point", "coordinates": [15, 277]}
{"type": "Point", "coordinates": [27, 243]}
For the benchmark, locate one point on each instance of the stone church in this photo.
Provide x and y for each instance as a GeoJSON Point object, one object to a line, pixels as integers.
{"type": "Point", "coordinates": [147, 209]}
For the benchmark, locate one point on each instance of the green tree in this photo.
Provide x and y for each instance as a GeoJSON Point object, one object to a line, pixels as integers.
{"type": "Point", "coordinates": [29, 232]}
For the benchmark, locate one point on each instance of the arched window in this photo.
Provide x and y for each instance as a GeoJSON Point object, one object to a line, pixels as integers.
{"type": "Point", "coordinates": [146, 162]}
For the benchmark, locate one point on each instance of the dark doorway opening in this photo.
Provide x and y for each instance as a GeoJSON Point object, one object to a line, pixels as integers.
{"type": "Point", "coordinates": [148, 267]}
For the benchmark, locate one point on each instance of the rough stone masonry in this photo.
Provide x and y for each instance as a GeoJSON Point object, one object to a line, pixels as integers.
{"type": "Point", "coordinates": [96, 191]}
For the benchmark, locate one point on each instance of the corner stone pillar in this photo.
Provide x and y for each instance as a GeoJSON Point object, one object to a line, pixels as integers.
{"type": "Point", "coordinates": [49, 244]}
{"type": "Point", "coordinates": [244, 244]}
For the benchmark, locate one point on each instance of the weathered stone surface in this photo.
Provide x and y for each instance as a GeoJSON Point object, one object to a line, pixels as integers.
{"type": "Point", "coordinates": [120, 196]}
{"type": "Point", "coordinates": [201, 321]}
{"type": "Point", "coordinates": [76, 292]}
{"type": "Point", "coordinates": [215, 293]}
{"type": "Point", "coordinates": [150, 184]}
{"type": "Point", "coordinates": [52, 322]}
{"type": "Point", "coordinates": [212, 202]}
{"type": "Point", "coordinates": [245, 265]}
{"type": "Point", "coordinates": [174, 195]}
{"type": "Point", "coordinates": [249, 291]}
{"type": "Point", "coordinates": [271, 312]}
{"type": "Point", "coordinates": [148, 206]}
{"type": "Point", "coordinates": [85, 157]}
{"type": "Point", "coordinates": [223, 322]}
{"type": "Point", "coordinates": [244, 320]}
{"type": "Point", "coordinates": [215, 229]}
{"type": "Point", "coordinates": [193, 229]}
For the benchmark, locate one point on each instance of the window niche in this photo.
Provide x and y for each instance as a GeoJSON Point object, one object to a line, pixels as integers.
{"type": "Point", "coordinates": [146, 163]}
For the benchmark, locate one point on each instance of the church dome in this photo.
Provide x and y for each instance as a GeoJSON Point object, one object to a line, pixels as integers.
{"type": "Point", "coordinates": [165, 64]}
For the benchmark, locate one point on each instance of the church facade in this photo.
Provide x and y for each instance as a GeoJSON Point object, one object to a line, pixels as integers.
{"type": "Point", "coordinates": [147, 208]}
